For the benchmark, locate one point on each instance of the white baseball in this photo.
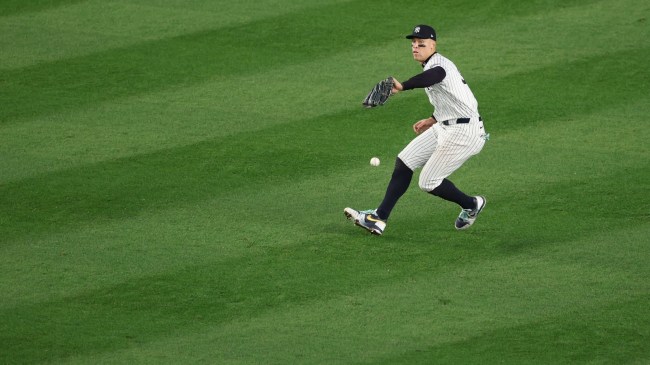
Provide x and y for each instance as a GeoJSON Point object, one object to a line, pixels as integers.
{"type": "Point", "coordinates": [375, 161]}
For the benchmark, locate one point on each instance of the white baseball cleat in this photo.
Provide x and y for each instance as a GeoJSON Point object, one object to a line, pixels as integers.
{"type": "Point", "coordinates": [367, 219]}
{"type": "Point", "coordinates": [468, 216]}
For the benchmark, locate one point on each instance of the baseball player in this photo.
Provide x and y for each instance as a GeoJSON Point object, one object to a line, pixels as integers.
{"type": "Point", "coordinates": [444, 141]}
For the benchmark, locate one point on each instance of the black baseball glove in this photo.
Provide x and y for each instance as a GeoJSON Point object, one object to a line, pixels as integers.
{"type": "Point", "coordinates": [380, 93]}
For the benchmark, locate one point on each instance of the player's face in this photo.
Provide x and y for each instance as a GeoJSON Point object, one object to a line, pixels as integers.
{"type": "Point", "coordinates": [422, 48]}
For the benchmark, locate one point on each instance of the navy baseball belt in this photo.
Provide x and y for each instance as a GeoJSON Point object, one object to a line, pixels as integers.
{"type": "Point", "coordinates": [459, 121]}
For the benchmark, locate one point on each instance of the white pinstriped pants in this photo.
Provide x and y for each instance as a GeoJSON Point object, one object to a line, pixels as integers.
{"type": "Point", "coordinates": [442, 149]}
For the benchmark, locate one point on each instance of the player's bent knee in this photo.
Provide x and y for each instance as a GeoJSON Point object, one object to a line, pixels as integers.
{"type": "Point", "coordinates": [427, 185]}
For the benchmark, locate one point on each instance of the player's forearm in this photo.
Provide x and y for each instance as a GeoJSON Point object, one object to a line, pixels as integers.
{"type": "Point", "coordinates": [425, 79]}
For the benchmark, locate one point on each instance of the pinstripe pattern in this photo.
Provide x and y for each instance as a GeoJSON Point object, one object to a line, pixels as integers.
{"type": "Point", "coordinates": [451, 98]}
{"type": "Point", "coordinates": [442, 149]}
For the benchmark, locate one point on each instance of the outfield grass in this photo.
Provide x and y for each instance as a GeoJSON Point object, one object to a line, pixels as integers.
{"type": "Point", "coordinates": [173, 174]}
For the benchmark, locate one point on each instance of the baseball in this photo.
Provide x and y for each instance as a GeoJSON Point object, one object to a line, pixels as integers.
{"type": "Point", "coordinates": [375, 161]}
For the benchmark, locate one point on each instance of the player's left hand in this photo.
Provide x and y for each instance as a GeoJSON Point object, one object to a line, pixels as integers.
{"type": "Point", "coordinates": [397, 86]}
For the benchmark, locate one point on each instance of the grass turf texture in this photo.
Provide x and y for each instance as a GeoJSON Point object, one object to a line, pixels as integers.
{"type": "Point", "coordinates": [173, 174]}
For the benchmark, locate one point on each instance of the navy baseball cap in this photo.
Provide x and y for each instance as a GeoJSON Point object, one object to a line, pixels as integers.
{"type": "Point", "coordinates": [423, 31]}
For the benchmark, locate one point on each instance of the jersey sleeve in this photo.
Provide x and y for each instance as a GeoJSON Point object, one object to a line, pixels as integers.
{"type": "Point", "coordinates": [427, 78]}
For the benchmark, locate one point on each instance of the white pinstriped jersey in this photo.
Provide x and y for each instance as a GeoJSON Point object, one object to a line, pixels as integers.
{"type": "Point", "coordinates": [451, 98]}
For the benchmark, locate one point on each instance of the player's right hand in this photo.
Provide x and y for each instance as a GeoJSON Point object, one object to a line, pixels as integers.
{"type": "Point", "coordinates": [422, 125]}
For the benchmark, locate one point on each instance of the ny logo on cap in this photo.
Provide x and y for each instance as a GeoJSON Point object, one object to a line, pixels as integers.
{"type": "Point", "coordinates": [416, 30]}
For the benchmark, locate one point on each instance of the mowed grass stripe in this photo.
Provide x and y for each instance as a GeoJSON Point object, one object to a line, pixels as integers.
{"type": "Point", "coordinates": [410, 312]}
{"type": "Point", "coordinates": [216, 226]}
{"type": "Point", "coordinates": [504, 45]}
{"type": "Point", "coordinates": [605, 335]}
{"type": "Point", "coordinates": [209, 108]}
{"type": "Point", "coordinates": [484, 287]}
{"type": "Point", "coordinates": [218, 223]}
{"type": "Point", "coordinates": [186, 59]}
{"type": "Point", "coordinates": [322, 284]}
{"type": "Point", "coordinates": [12, 7]}
{"type": "Point", "coordinates": [121, 188]}
{"type": "Point", "coordinates": [523, 99]}
{"type": "Point", "coordinates": [140, 123]}
{"type": "Point", "coordinates": [190, 58]}
{"type": "Point", "coordinates": [291, 255]}
{"type": "Point", "coordinates": [562, 339]}
{"type": "Point", "coordinates": [181, 116]}
{"type": "Point", "coordinates": [157, 180]}
{"type": "Point", "coordinates": [78, 29]}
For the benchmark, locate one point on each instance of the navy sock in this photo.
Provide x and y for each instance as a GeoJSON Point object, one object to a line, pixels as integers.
{"type": "Point", "coordinates": [448, 191]}
{"type": "Point", "coordinates": [397, 186]}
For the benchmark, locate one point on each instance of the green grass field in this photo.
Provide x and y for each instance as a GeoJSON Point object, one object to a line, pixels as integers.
{"type": "Point", "coordinates": [173, 175]}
